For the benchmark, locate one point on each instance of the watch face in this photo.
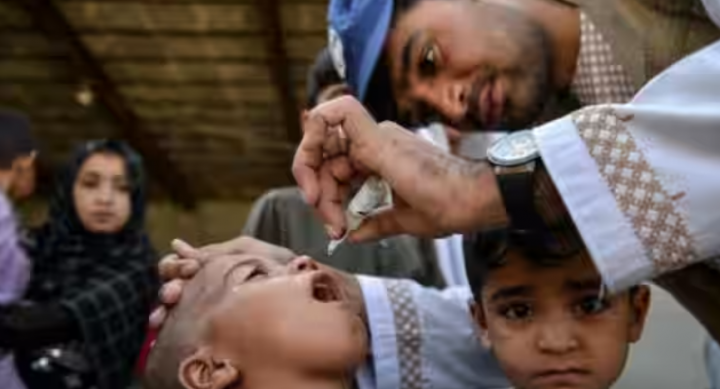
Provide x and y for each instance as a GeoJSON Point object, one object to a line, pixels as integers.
{"type": "Point", "coordinates": [516, 148]}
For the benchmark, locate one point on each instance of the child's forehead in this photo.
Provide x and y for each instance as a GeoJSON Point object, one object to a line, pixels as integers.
{"type": "Point", "coordinates": [214, 275]}
{"type": "Point", "coordinates": [577, 272]}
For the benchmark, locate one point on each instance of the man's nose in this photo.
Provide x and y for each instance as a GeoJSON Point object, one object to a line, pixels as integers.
{"type": "Point", "coordinates": [302, 264]}
{"type": "Point", "coordinates": [556, 337]}
{"type": "Point", "coordinates": [449, 98]}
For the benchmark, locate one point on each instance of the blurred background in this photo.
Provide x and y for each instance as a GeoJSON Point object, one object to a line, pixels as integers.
{"type": "Point", "coordinates": [207, 91]}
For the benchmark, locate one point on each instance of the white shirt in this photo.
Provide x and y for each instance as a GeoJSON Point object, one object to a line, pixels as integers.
{"type": "Point", "coordinates": [423, 338]}
{"type": "Point", "coordinates": [642, 180]}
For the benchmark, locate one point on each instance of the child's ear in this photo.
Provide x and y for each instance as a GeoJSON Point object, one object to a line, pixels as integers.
{"type": "Point", "coordinates": [639, 306]}
{"type": "Point", "coordinates": [202, 371]}
{"type": "Point", "coordinates": [478, 314]}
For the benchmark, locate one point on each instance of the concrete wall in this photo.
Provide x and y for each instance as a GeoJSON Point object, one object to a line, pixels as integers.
{"type": "Point", "coordinates": [213, 221]}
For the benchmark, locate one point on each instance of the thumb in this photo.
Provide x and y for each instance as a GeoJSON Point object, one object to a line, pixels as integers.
{"type": "Point", "coordinates": [184, 250]}
{"type": "Point", "coordinates": [387, 223]}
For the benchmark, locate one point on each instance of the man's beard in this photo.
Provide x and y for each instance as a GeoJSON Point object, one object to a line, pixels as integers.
{"type": "Point", "coordinates": [538, 81]}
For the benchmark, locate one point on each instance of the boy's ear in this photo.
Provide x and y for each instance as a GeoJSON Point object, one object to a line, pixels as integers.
{"type": "Point", "coordinates": [201, 371]}
{"type": "Point", "coordinates": [478, 314]}
{"type": "Point", "coordinates": [639, 307]}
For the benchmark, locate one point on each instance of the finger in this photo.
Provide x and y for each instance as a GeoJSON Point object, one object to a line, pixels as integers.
{"type": "Point", "coordinates": [179, 269]}
{"type": "Point", "coordinates": [171, 292]}
{"type": "Point", "coordinates": [309, 156]}
{"type": "Point", "coordinates": [330, 206]}
{"type": "Point", "coordinates": [190, 268]}
{"type": "Point", "coordinates": [341, 168]}
{"type": "Point", "coordinates": [169, 268]}
{"type": "Point", "coordinates": [158, 317]}
{"type": "Point", "coordinates": [389, 223]}
{"type": "Point", "coordinates": [336, 143]}
{"type": "Point", "coordinates": [344, 111]}
{"type": "Point", "coordinates": [183, 249]}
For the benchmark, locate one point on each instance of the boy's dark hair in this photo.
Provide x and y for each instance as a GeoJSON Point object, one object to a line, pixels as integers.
{"type": "Point", "coordinates": [321, 75]}
{"type": "Point", "coordinates": [16, 138]}
{"type": "Point", "coordinates": [486, 250]}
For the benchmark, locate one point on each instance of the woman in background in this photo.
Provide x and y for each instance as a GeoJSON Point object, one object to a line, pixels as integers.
{"type": "Point", "coordinates": [94, 279]}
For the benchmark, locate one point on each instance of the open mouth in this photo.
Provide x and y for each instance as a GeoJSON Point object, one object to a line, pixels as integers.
{"type": "Point", "coordinates": [325, 289]}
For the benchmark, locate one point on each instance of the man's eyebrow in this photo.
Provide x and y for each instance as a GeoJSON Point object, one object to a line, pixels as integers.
{"type": "Point", "coordinates": [582, 285]}
{"type": "Point", "coordinates": [253, 262]}
{"type": "Point", "coordinates": [406, 59]}
{"type": "Point", "coordinates": [510, 292]}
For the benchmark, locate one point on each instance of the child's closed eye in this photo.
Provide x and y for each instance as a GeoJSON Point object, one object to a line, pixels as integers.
{"type": "Point", "coordinates": [257, 272]}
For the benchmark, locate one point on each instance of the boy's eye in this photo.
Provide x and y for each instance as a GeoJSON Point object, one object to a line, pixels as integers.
{"type": "Point", "coordinates": [256, 273]}
{"type": "Point", "coordinates": [592, 305]}
{"type": "Point", "coordinates": [428, 61]}
{"type": "Point", "coordinates": [517, 312]}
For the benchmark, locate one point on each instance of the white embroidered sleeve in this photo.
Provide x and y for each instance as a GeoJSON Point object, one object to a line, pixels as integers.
{"type": "Point", "coordinates": [642, 180]}
{"type": "Point", "coordinates": [423, 338]}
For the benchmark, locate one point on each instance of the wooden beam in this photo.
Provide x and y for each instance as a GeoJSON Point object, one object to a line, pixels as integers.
{"type": "Point", "coordinates": [50, 19]}
{"type": "Point", "coordinates": [279, 64]}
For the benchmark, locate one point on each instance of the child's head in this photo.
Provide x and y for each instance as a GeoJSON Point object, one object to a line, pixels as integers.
{"type": "Point", "coordinates": [545, 317]}
{"type": "Point", "coordinates": [247, 322]}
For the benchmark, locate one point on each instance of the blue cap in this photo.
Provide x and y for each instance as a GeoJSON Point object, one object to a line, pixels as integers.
{"type": "Point", "coordinates": [356, 37]}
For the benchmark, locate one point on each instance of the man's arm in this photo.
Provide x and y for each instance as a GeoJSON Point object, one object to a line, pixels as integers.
{"type": "Point", "coordinates": [641, 182]}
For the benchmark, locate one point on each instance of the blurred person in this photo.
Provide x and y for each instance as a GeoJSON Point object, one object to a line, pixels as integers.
{"type": "Point", "coordinates": [257, 315]}
{"type": "Point", "coordinates": [498, 63]}
{"type": "Point", "coordinates": [282, 217]}
{"type": "Point", "coordinates": [17, 164]}
{"type": "Point", "coordinates": [94, 281]}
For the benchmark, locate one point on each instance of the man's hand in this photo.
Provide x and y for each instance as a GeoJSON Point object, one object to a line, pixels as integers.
{"type": "Point", "coordinates": [186, 261]}
{"type": "Point", "coordinates": [435, 193]}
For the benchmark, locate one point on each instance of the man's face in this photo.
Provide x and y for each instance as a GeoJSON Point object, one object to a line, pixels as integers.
{"type": "Point", "coordinates": [549, 328]}
{"type": "Point", "coordinates": [292, 316]}
{"type": "Point", "coordinates": [479, 65]}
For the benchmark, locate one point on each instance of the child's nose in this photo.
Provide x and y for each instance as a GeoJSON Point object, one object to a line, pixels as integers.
{"type": "Point", "coordinates": [302, 264]}
{"type": "Point", "coordinates": [556, 339]}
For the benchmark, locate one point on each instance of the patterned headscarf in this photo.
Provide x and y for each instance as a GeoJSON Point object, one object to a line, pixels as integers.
{"type": "Point", "coordinates": [107, 281]}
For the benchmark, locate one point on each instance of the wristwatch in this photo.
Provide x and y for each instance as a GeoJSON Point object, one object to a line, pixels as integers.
{"type": "Point", "coordinates": [514, 158]}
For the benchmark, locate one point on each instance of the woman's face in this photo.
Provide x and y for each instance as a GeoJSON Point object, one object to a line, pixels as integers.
{"type": "Point", "coordinates": [102, 193]}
